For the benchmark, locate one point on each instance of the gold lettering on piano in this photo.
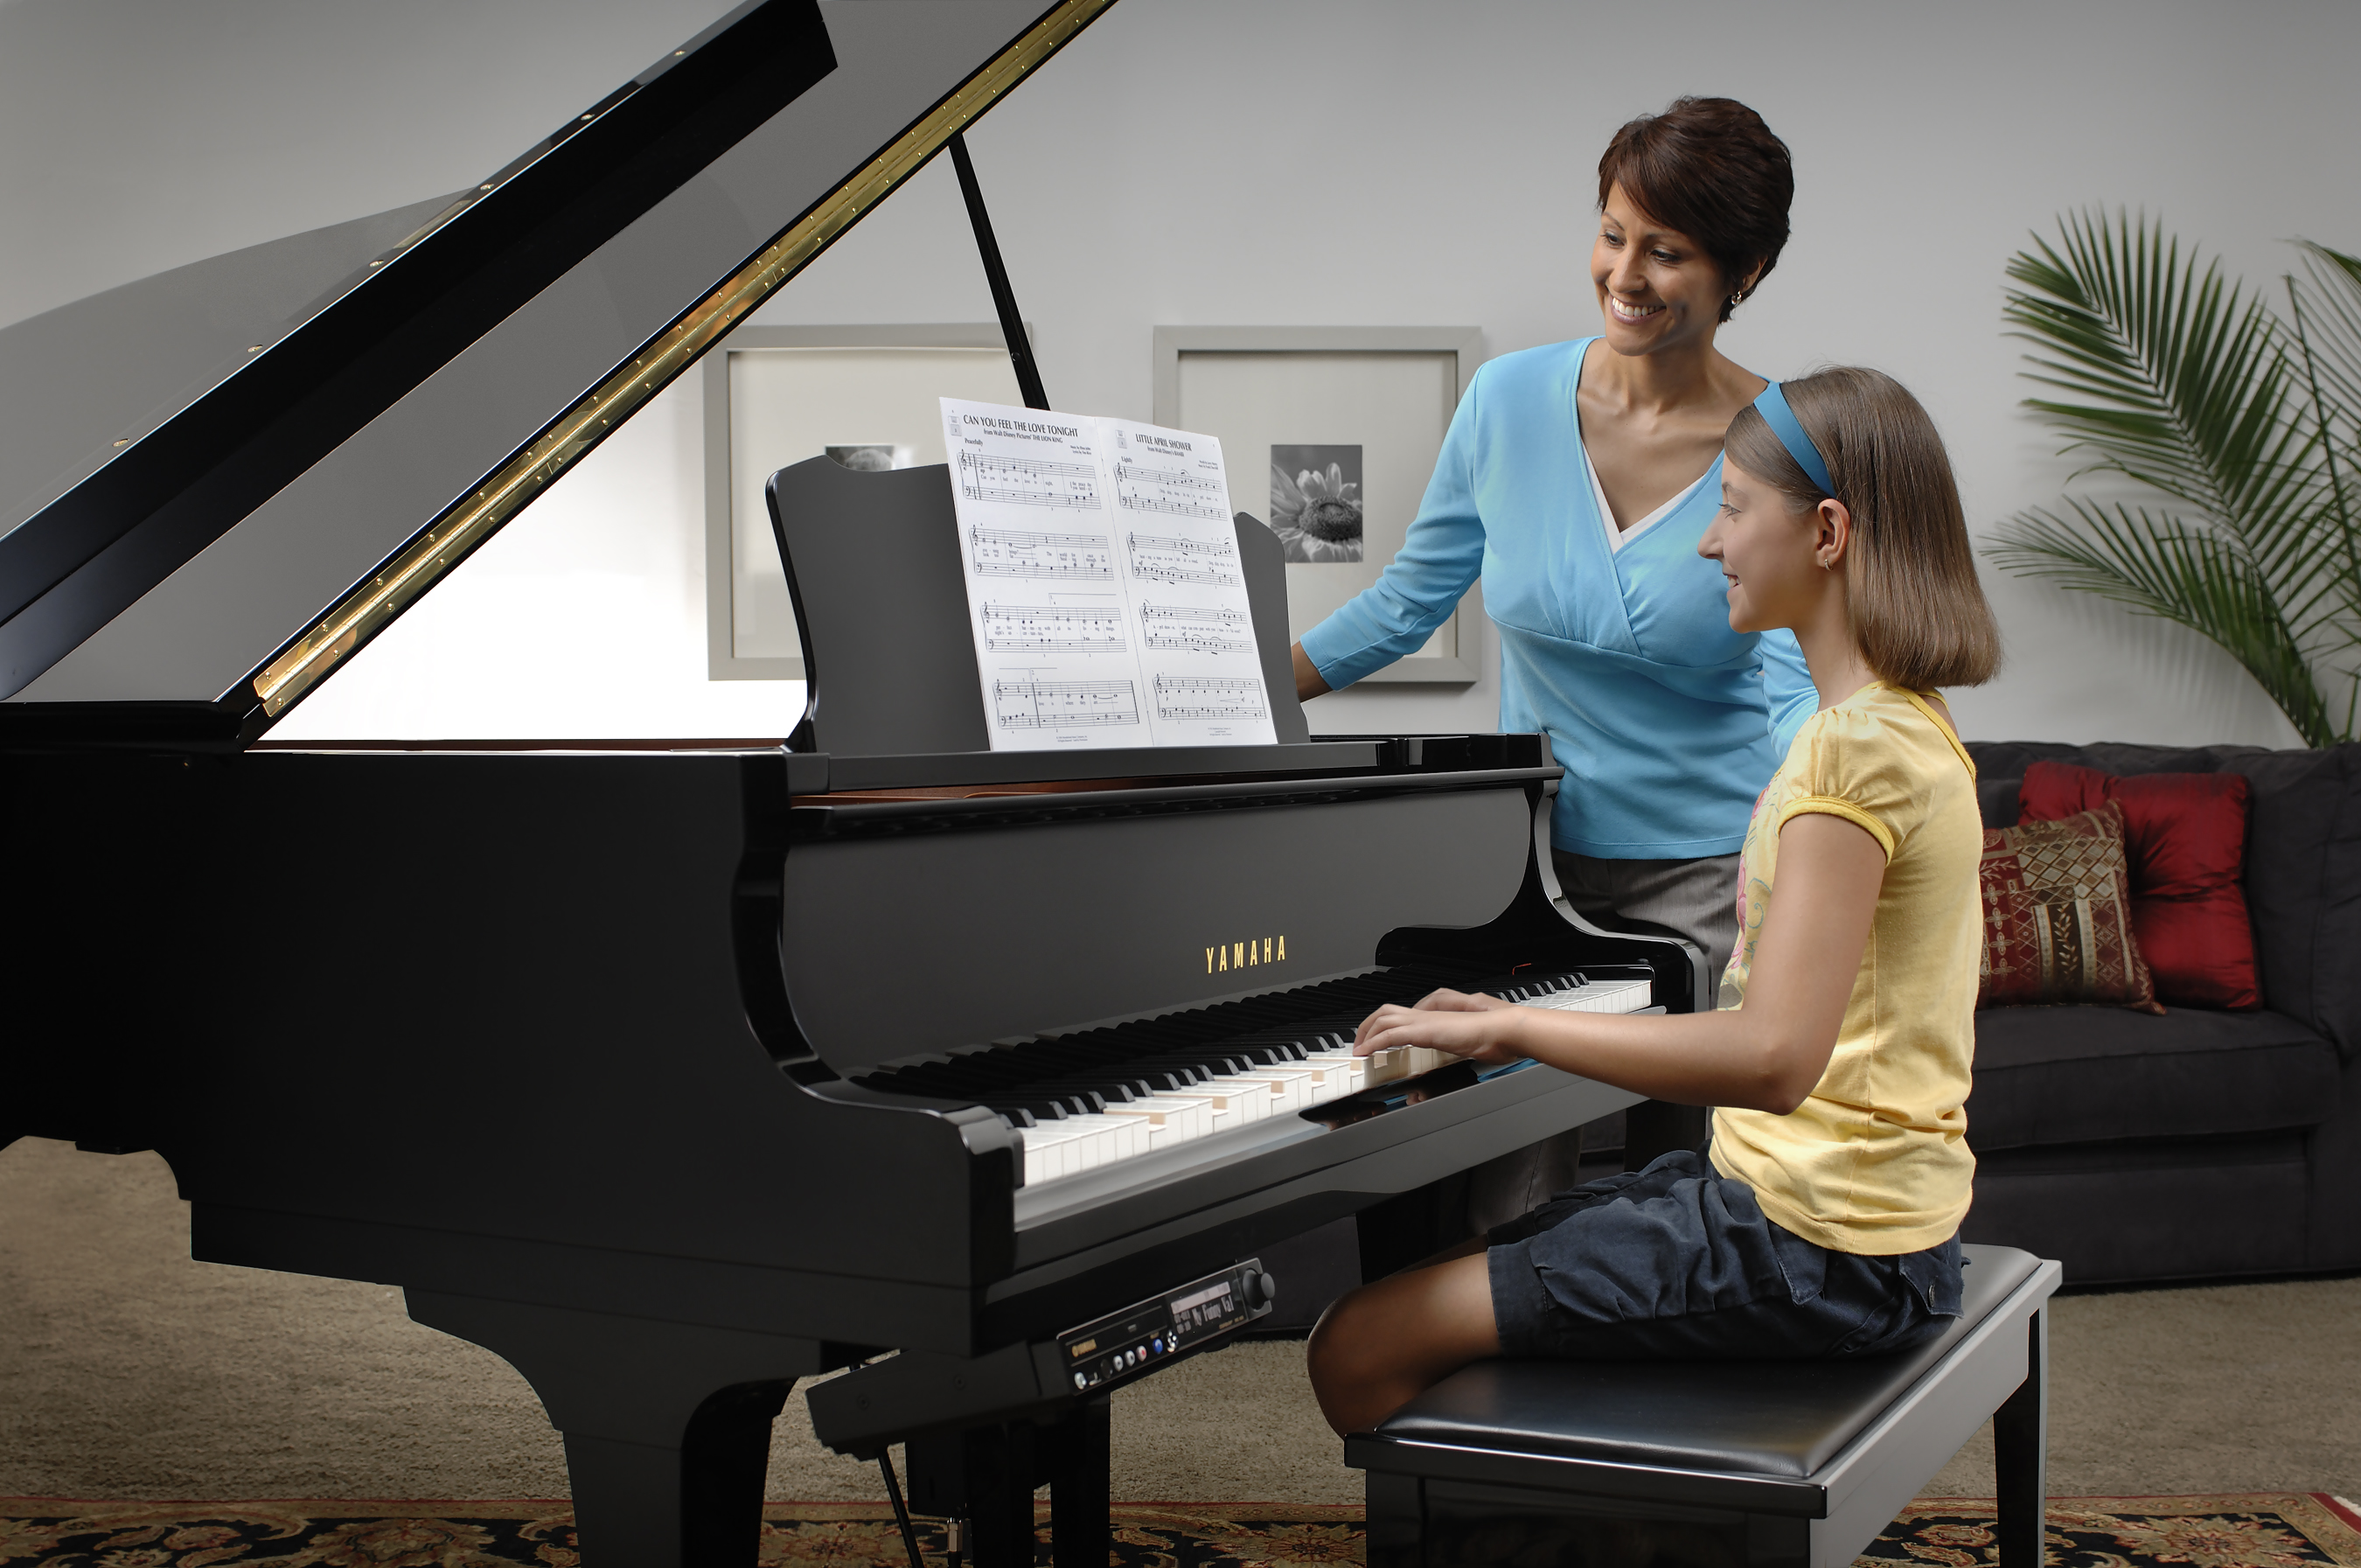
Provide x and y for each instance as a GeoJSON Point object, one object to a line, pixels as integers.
{"type": "Point", "coordinates": [1252, 952]}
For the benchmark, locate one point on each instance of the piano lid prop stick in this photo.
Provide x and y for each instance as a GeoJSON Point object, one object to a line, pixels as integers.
{"type": "Point", "coordinates": [1004, 299]}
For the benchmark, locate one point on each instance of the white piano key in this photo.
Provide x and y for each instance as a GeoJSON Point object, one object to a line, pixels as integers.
{"type": "Point", "coordinates": [1257, 1097]}
{"type": "Point", "coordinates": [1052, 1149]}
{"type": "Point", "coordinates": [1233, 1104]}
{"type": "Point", "coordinates": [1170, 1117]}
{"type": "Point", "coordinates": [1601, 996]}
{"type": "Point", "coordinates": [1107, 1138]}
{"type": "Point", "coordinates": [1338, 1073]}
{"type": "Point", "coordinates": [1300, 1085]}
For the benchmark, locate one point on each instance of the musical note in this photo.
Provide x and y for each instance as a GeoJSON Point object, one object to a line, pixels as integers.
{"type": "Point", "coordinates": [1014, 553]}
{"type": "Point", "coordinates": [1208, 696]}
{"type": "Point", "coordinates": [1029, 481]}
{"type": "Point", "coordinates": [1203, 629]}
{"type": "Point", "coordinates": [1042, 626]}
{"type": "Point", "coordinates": [1098, 555]}
{"type": "Point", "coordinates": [1160, 558]}
{"type": "Point", "coordinates": [1173, 491]}
{"type": "Point", "coordinates": [1063, 705]}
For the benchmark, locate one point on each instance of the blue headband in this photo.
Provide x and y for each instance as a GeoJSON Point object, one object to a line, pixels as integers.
{"type": "Point", "coordinates": [1772, 406]}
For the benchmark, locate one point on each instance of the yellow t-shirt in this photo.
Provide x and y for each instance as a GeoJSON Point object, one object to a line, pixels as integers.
{"type": "Point", "coordinates": [1875, 1160]}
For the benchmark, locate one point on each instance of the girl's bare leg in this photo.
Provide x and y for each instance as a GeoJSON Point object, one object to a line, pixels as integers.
{"type": "Point", "coordinates": [1383, 1345]}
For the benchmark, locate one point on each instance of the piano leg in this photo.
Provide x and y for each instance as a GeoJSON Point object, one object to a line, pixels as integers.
{"type": "Point", "coordinates": [986, 1474]}
{"type": "Point", "coordinates": [1081, 1454]}
{"type": "Point", "coordinates": [668, 1426]}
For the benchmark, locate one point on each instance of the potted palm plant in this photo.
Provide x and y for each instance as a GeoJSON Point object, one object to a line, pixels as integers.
{"type": "Point", "coordinates": [2226, 434]}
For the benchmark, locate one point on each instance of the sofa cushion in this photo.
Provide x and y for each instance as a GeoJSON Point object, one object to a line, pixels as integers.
{"type": "Point", "coordinates": [2304, 860]}
{"type": "Point", "coordinates": [2058, 914]}
{"type": "Point", "coordinates": [2185, 842]}
{"type": "Point", "coordinates": [2079, 1075]}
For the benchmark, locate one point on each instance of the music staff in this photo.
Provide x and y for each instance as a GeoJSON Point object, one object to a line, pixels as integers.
{"type": "Point", "coordinates": [1199, 630]}
{"type": "Point", "coordinates": [1029, 481]}
{"type": "Point", "coordinates": [1173, 491]}
{"type": "Point", "coordinates": [1052, 626]}
{"type": "Point", "coordinates": [1162, 558]}
{"type": "Point", "coordinates": [1063, 705]}
{"type": "Point", "coordinates": [1015, 553]}
{"type": "Point", "coordinates": [1208, 696]}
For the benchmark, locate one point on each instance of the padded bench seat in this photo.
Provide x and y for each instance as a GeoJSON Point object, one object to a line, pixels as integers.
{"type": "Point", "coordinates": [1736, 1462]}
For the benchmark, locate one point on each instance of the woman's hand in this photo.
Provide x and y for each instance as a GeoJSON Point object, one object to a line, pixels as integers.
{"type": "Point", "coordinates": [1450, 1021]}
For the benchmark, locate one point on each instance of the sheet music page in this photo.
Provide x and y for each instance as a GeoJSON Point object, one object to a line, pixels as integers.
{"type": "Point", "coordinates": [1104, 588]}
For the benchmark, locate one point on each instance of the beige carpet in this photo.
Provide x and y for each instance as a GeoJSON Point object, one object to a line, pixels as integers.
{"type": "Point", "coordinates": [128, 1371]}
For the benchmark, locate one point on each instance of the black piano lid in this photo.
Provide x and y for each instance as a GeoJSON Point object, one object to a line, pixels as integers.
{"type": "Point", "coordinates": [195, 582]}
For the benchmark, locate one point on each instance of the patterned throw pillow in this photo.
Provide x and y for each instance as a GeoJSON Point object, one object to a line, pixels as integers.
{"type": "Point", "coordinates": [2057, 915]}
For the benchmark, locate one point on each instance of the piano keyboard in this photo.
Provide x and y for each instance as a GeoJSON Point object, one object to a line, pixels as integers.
{"type": "Point", "coordinates": [1083, 1101]}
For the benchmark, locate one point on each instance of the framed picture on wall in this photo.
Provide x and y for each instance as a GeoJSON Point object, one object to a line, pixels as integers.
{"type": "Point", "coordinates": [1330, 434]}
{"type": "Point", "coordinates": [777, 395]}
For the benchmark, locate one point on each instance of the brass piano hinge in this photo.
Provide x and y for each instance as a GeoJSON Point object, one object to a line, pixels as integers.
{"type": "Point", "coordinates": [366, 611]}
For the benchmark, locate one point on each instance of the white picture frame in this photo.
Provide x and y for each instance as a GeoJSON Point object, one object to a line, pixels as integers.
{"type": "Point", "coordinates": [777, 395]}
{"type": "Point", "coordinates": [1384, 394]}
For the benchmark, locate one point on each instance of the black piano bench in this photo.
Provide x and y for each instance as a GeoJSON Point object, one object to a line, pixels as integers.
{"type": "Point", "coordinates": [1740, 1462]}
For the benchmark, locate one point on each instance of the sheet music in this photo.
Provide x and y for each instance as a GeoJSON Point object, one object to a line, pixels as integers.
{"type": "Point", "coordinates": [1103, 584]}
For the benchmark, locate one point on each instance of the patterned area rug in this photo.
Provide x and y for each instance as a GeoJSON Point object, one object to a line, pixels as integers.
{"type": "Point", "coordinates": [2282, 1530]}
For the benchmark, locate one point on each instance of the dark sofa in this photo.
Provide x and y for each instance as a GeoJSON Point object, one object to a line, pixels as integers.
{"type": "Point", "coordinates": [2197, 1144]}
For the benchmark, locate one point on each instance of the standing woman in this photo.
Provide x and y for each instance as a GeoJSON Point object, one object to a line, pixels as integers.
{"type": "Point", "coordinates": [1577, 480]}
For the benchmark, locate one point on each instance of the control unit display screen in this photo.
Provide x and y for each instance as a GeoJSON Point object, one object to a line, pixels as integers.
{"type": "Point", "coordinates": [1160, 1330]}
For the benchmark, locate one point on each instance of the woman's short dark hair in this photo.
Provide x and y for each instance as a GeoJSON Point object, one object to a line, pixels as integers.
{"type": "Point", "coordinates": [1710, 169]}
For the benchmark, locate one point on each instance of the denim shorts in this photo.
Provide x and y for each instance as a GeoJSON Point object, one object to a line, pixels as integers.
{"type": "Point", "coordinates": [1678, 1262]}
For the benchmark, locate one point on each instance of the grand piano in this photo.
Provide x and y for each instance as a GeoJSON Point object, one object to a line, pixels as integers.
{"type": "Point", "coordinates": [675, 1071]}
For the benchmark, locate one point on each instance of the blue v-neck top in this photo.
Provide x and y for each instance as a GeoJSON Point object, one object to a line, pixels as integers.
{"type": "Point", "coordinates": [1667, 722]}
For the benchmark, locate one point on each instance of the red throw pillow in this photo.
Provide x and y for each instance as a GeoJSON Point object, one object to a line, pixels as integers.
{"type": "Point", "coordinates": [2185, 838]}
{"type": "Point", "coordinates": [2057, 915]}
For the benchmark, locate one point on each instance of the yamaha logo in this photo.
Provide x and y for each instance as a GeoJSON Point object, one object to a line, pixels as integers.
{"type": "Point", "coordinates": [1246, 955]}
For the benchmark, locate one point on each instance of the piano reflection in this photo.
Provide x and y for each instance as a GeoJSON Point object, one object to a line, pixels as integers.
{"type": "Point", "coordinates": [677, 1072]}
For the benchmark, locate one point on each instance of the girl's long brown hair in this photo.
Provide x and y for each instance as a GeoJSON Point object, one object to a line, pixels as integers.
{"type": "Point", "coordinates": [1917, 611]}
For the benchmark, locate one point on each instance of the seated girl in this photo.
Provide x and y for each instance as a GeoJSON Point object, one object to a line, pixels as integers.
{"type": "Point", "coordinates": [1821, 1219]}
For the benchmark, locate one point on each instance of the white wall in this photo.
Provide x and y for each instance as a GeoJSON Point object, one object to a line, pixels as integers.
{"type": "Point", "coordinates": [1226, 161]}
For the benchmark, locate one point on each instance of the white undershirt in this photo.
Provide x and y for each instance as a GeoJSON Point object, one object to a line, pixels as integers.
{"type": "Point", "coordinates": [1618, 537]}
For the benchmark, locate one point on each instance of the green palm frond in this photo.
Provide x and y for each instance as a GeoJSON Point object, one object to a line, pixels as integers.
{"type": "Point", "coordinates": [2324, 309]}
{"type": "Point", "coordinates": [2328, 299]}
{"type": "Point", "coordinates": [2162, 372]}
{"type": "Point", "coordinates": [2181, 380]}
{"type": "Point", "coordinates": [2159, 565]}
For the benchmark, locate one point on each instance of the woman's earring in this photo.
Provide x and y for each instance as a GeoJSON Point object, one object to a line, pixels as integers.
{"type": "Point", "coordinates": [1738, 299]}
